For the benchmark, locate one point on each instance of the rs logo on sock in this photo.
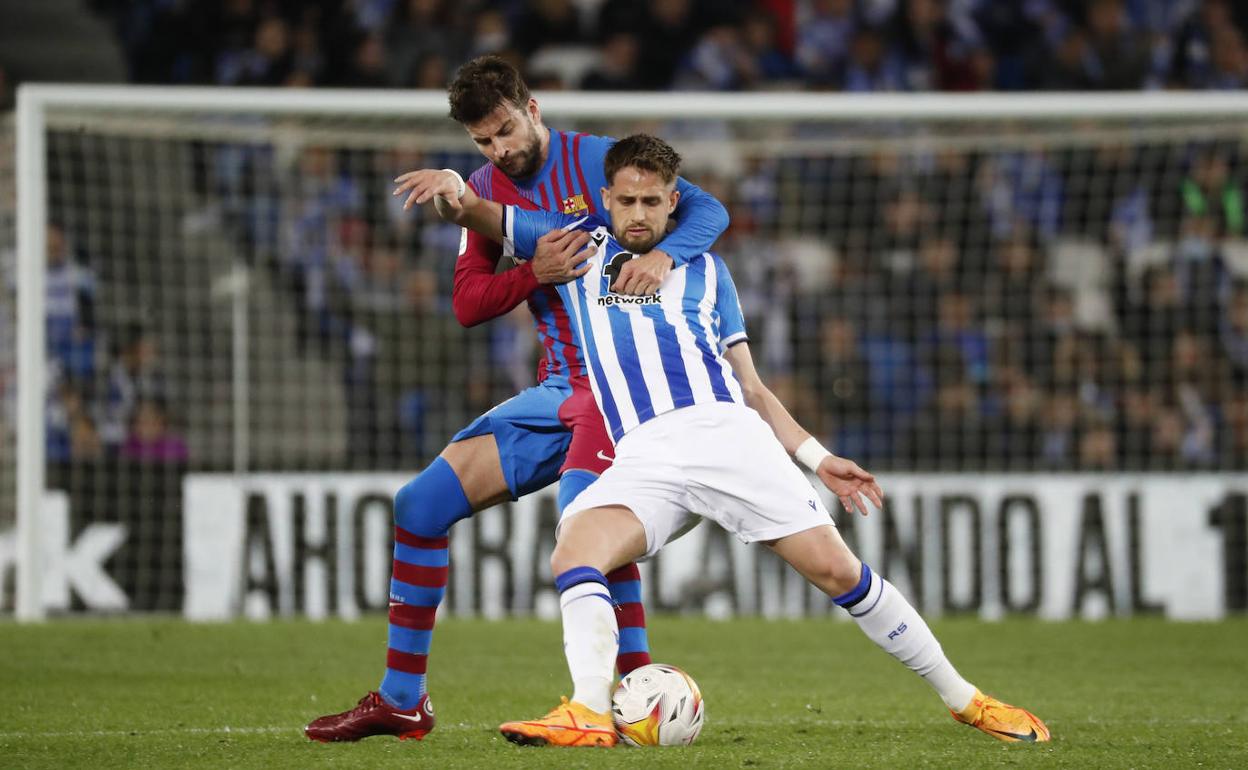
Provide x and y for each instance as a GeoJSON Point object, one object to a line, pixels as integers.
{"type": "Point", "coordinates": [897, 632]}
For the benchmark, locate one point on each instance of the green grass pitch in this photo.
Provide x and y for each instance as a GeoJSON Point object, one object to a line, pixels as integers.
{"type": "Point", "coordinates": [164, 694]}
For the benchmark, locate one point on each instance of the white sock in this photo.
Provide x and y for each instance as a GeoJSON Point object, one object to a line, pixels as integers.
{"type": "Point", "coordinates": [590, 641]}
{"type": "Point", "coordinates": [887, 619]}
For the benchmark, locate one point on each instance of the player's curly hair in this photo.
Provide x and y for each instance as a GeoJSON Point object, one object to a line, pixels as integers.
{"type": "Point", "coordinates": [645, 152]}
{"type": "Point", "coordinates": [481, 85]}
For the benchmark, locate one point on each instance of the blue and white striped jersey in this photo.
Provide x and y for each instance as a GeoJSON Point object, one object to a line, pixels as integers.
{"type": "Point", "coordinates": [646, 355]}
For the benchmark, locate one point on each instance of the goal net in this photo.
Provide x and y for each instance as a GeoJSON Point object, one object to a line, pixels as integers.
{"type": "Point", "coordinates": [974, 286]}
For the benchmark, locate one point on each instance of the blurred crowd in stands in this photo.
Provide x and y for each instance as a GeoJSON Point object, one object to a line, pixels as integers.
{"type": "Point", "coordinates": [721, 45]}
{"type": "Point", "coordinates": [107, 395]}
{"type": "Point", "coordinates": [1075, 308]}
{"type": "Point", "coordinates": [1068, 306]}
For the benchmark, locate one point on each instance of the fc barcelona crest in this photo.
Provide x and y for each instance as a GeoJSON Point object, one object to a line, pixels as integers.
{"type": "Point", "coordinates": [574, 204]}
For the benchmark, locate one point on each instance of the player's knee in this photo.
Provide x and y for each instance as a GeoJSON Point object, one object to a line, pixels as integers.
{"type": "Point", "coordinates": [570, 550]}
{"type": "Point", "coordinates": [412, 511]}
{"type": "Point", "coordinates": [429, 504]}
{"type": "Point", "coordinates": [838, 572]}
{"type": "Point", "coordinates": [564, 558]}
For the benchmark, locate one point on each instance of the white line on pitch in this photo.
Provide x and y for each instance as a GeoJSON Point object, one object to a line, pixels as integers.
{"type": "Point", "coordinates": [141, 733]}
{"type": "Point", "coordinates": [795, 721]}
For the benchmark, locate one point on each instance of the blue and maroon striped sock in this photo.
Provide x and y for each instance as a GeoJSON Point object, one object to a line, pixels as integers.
{"type": "Point", "coordinates": [424, 511]}
{"type": "Point", "coordinates": [625, 586]}
{"type": "Point", "coordinates": [416, 590]}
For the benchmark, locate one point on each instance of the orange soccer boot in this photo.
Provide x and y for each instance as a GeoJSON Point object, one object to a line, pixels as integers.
{"type": "Point", "coordinates": [568, 724]}
{"type": "Point", "coordinates": [1002, 721]}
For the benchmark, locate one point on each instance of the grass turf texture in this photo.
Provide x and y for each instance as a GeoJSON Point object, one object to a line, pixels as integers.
{"type": "Point", "coordinates": [1138, 693]}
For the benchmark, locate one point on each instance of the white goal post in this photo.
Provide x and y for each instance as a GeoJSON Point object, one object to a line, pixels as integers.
{"type": "Point", "coordinates": [37, 103]}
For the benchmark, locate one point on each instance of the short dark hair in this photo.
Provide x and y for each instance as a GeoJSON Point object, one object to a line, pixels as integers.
{"type": "Point", "coordinates": [481, 85]}
{"type": "Point", "coordinates": [645, 152]}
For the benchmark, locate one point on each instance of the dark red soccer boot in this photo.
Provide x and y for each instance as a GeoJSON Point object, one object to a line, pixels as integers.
{"type": "Point", "coordinates": [373, 716]}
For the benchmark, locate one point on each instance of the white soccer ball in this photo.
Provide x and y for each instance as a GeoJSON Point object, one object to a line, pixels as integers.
{"type": "Point", "coordinates": [658, 705]}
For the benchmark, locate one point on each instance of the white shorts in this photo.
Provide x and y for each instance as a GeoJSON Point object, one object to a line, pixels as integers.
{"type": "Point", "coordinates": [718, 461]}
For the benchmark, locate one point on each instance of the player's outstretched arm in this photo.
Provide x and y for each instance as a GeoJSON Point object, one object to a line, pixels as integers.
{"type": "Point", "coordinates": [848, 481]}
{"type": "Point", "coordinates": [454, 200]}
{"type": "Point", "coordinates": [523, 234]}
{"type": "Point", "coordinates": [480, 293]}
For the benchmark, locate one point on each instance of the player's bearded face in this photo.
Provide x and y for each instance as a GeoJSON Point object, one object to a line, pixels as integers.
{"type": "Point", "coordinates": [639, 203]}
{"type": "Point", "coordinates": [511, 139]}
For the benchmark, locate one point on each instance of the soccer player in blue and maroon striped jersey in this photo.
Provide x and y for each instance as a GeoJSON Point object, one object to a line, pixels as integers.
{"type": "Point", "coordinates": [550, 432]}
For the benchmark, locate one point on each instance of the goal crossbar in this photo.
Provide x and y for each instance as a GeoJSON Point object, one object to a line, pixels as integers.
{"type": "Point", "coordinates": [776, 107]}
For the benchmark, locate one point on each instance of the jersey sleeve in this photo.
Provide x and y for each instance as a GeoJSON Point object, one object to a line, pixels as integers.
{"type": "Point", "coordinates": [479, 293]}
{"type": "Point", "coordinates": [728, 305]}
{"type": "Point", "coordinates": [482, 181]}
{"type": "Point", "coordinates": [700, 219]}
{"type": "Point", "coordinates": [522, 228]}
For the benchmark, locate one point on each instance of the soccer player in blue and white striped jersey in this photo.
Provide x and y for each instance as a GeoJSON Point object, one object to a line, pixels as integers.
{"type": "Point", "coordinates": [697, 434]}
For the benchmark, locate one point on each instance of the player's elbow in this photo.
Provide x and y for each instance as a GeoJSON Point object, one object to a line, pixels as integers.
{"type": "Point", "coordinates": [467, 315]}
{"type": "Point", "coordinates": [716, 215]}
{"type": "Point", "coordinates": [466, 305]}
{"type": "Point", "coordinates": [755, 393]}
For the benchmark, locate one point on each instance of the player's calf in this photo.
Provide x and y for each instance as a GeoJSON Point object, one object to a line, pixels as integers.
{"type": "Point", "coordinates": [590, 637]}
{"type": "Point", "coordinates": [877, 607]}
{"type": "Point", "coordinates": [591, 542]}
{"type": "Point", "coordinates": [623, 582]}
{"type": "Point", "coordinates": [424, 510]}
{"type": "Point", "coordinates": [630, 615]}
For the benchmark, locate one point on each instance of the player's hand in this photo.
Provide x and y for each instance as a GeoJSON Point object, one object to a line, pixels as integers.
{"type": "Point", "coordinates": [562, 256]}
{"type": "Point", "coordinates": [421, 186]}
{"type": "Point", "coordinates": [642, 276]}
{"type": "Point", "coordinates": [850, 482]}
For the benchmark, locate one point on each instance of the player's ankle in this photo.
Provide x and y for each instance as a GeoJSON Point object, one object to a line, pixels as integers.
{"type": "Point", "coordinates": [594, 693]}
{"type": "Point", "coordinates": [967, 708]}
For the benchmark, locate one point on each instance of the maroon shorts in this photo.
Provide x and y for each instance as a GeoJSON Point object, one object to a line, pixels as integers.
{"type": "Point", "coordinates": [591, 448]}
